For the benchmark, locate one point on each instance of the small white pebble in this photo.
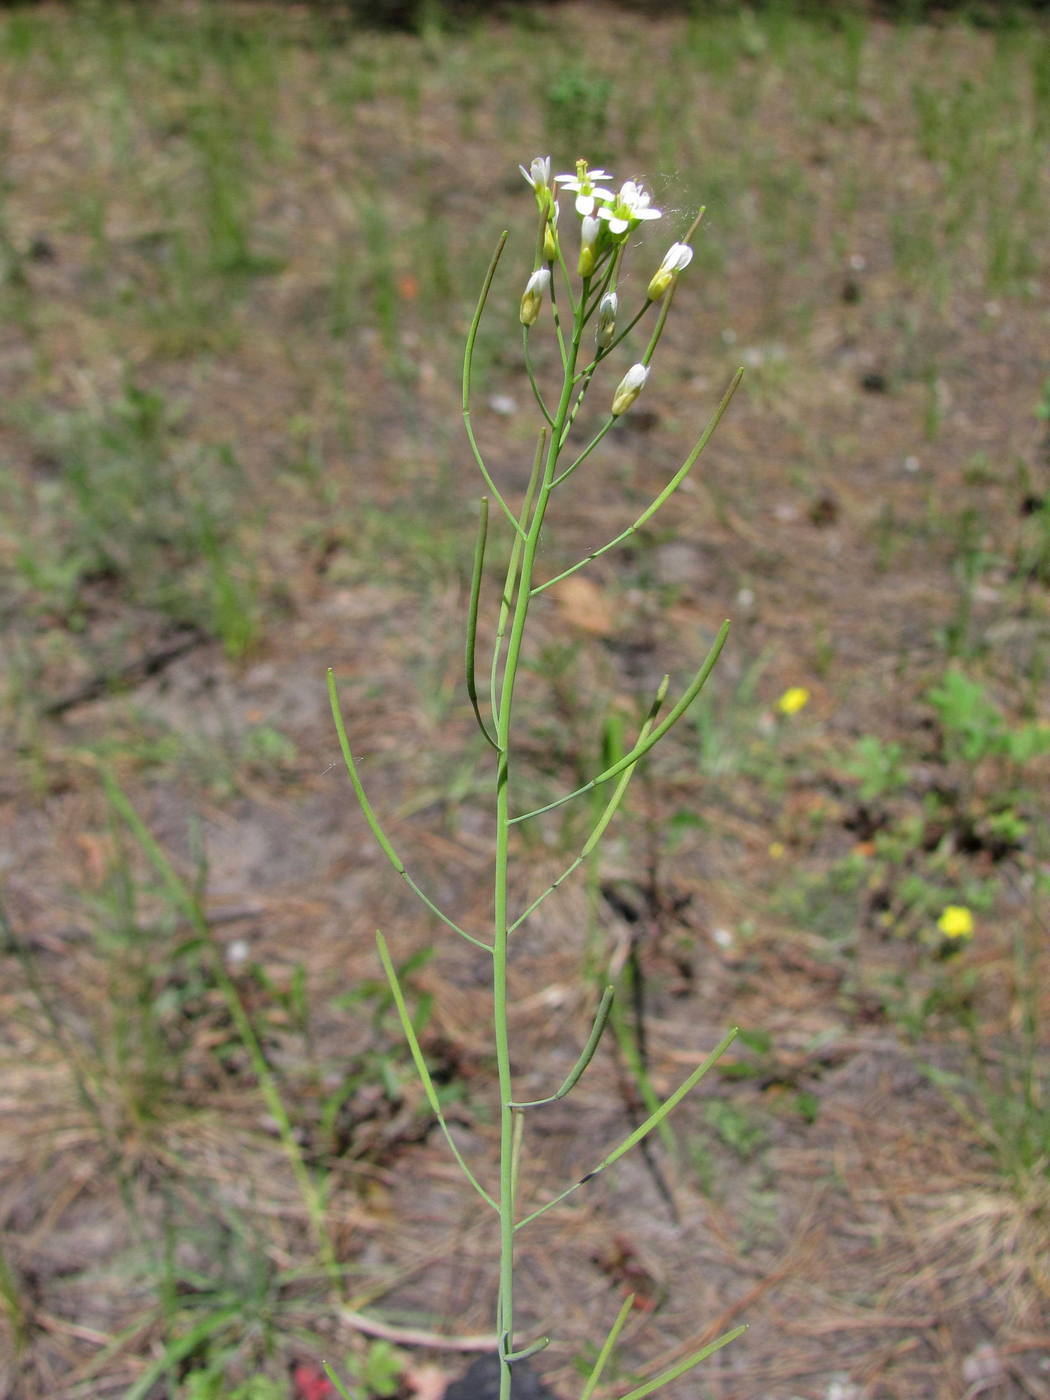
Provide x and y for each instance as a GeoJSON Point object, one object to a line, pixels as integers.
{"type": "Point", "coordinates": [911, 464]}
{"type": "Point", "coordinates": [745, 598]}
{"type": "Point", "coordinates": [722, 938]}
{"type": "Point", "coordinates": [503, 404]}
{"type": "Point", "coordinates": [858, 262]}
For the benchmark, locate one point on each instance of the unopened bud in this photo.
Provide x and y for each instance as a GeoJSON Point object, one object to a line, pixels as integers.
{"type": "Point", "coordinates": [606, 327]}
{"type": "Point", "coordinates": [589, 231]}
{"type": "Point", "coordinates": [550, 234]}
{"type": "Point", "coordinates": [677, 257]}
{"type": "Point", "coordinates": [532, 298]}
{"type": "Point", "coordinates": [630, 387]}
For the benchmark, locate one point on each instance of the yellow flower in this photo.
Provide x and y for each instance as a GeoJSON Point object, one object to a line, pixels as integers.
{"type": "Point", "coordinates": [956, 922]}
{"type": "Point", "coordinates": [793, 700]}
{"type": "Point", "coordinates": [777, 850]}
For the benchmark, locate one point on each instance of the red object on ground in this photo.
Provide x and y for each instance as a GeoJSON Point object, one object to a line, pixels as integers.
{"type": "Point", "coordinates": [309, 1382]}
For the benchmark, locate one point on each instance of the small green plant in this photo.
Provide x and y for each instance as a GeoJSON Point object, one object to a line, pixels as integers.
{"type": "Point", "coordinates": [877, 766]}
{"type": "Point", "coordinates": [974, 728]}
{"type": "Point", "coordinates": [588, 327]}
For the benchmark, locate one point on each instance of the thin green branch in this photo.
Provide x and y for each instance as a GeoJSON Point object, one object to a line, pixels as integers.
{"type": "Point", "coordinates": [643, 745]}
{"type": "Point", "coordinates": [607, 1346]}
{"type": "Point", "coordinates": [556, 316]}
{"type": "Point", "coordinates": [373, 821]}
{"type": "Point", "coordinates": [644, 1129]}
{"type": "Point", "coordinates": [532, 376]}
{"type": "Point", "coordinates": [540, 1344]}
{"type": "Point", "coordinates": [472, 617]}
{"type": "Point", "coordinates": [668, 491]}
{"type": "Point", "coordinates": [468, 361]}
{"type": "Point", "coordinates": [583, 455]}
{"type": "Point", "coordinates": [606, 817]}
{"type": "Point", "coordinates": [586, 1054]}
{"type": "Point", "coordinates": [422, 1070]}
{"type": "Point", "coordinates": [681, 1367]}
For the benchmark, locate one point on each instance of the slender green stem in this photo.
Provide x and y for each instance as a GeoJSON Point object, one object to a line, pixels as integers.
{"type": "Point", "coordinates": [680, 1368]}
{"type": "Point", "coordinates": [510, 583]}
{"type": "Point", "coordinates": [532, 375]}
{"type": "Point", "coordinates": [501, 929]}
{"type": "Point", "coordinates": [585, 453]}
{"type": "Point", "coordinates": [603, 821]}
{"type": "Point", "coordinates": [607, 1346]}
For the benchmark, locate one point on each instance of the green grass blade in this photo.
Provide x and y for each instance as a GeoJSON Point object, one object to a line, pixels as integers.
{"type": "Point", "coordinates": [607, 1347]}
{"type": "Point", "coordinates": [694, 1359]}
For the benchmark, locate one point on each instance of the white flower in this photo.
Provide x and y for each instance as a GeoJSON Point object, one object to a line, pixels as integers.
{"type": "Point", "coordinates": [589, 231]}
{"type": "Point", "coordinates": [629, 207]}
{"type": "Point", "coordinates": [606, 328]}
{"type": "Point", "coordinates": [584, 185]}
{"type": "Point", "coordinates": [532, 297]}
{"type": "Point", "coordinates": [538, 174]}
{"type": "Point", "coordinates": [677, 257]}
{"type": "Point", "coordinates": [630, 387]}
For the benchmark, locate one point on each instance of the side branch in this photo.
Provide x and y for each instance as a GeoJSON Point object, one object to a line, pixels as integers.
{"type": "Point", "coordinates": [606, 817]}
{"type": "Point", "coordinates": [668, 491]}
{"type": "Point", "coordinates": [644, 1129]}
{"type": "Point", "coordinates": [472, 619]}
{"type": "Point", "coordinates": [646, 742]}
{"type": "Point", "coordinates": [373, 821]}
{"type": "Point", "coordinates": [468, 360]}
{"type": "Point", "coordinates": [421, 1067]}
{"type": "Point", "coordinates": [586, 1054]}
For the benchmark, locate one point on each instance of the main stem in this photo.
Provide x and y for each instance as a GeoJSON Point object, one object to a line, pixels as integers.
{"type": "Point", "coordinates": [501, 931]}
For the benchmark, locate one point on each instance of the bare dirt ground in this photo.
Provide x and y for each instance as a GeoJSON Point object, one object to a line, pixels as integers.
{"type": "Point", "coordinates": [844, 1208]}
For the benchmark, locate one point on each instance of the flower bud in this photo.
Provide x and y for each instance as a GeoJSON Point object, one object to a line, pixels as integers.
{"type": "Point", "coordinates": [589, 231]}
{"type": "Point", "coordinates": [550, 234]}
{"type": "Point", "coordinates": [677, 257]}
{"type": "Point", "coordinates": [532, 298]}
{"type": "Point", "coordinates": [631, 386]}
{"type": "Point", "coordinates": [606, 327]}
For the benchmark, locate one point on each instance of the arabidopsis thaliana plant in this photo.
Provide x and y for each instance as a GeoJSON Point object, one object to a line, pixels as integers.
{"type": "Point", "coordinates": [532, 297]}
{"type": "Point", "coordinates": [677, 257]}
{"type": "Point", "coordinates": [630, 387]}
{"type": "Point", "coordinates": [628, 208]}
{"type": "Point", "coordinates": [584, 185]}
{"type": "Point", "coordinates": [606, 328]}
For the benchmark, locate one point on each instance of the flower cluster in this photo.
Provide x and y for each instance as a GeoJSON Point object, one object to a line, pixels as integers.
{"type": "Point", "coordinates": [607, 218]}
